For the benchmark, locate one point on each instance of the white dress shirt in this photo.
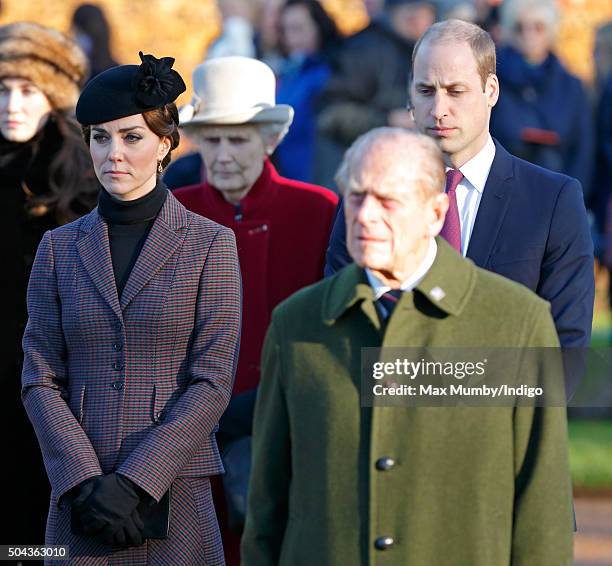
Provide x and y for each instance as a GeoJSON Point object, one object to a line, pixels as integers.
{"type": "Point", "coordinates": [470, 189]}
{"type": "Point", "coordinates": [380, 288]}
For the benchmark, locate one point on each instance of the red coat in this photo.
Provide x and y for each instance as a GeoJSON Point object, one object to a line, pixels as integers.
{"type": "Point", "coordinates": [282, 234]}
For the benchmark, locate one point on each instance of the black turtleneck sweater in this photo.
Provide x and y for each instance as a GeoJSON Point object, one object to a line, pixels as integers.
{"type": "Point", "coordinates": [129, 223]}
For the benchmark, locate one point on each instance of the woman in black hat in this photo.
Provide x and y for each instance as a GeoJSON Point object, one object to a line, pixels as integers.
{"type": "Point", "coordinates": [131, 344]}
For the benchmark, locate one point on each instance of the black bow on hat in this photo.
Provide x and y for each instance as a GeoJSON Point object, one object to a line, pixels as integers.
{"type": "Point", "coordinates": [129, 89]}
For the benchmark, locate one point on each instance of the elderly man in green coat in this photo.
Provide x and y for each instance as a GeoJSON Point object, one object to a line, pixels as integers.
{"type": "Point", "coordinates": [337, 483]}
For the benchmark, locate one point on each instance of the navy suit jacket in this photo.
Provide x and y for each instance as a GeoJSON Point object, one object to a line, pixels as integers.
{"type": "Point", "coordinates": [531, 227]}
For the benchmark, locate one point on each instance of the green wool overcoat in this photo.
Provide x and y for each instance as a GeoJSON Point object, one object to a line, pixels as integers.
{"type": "Point", "coordinates": [464, 486]}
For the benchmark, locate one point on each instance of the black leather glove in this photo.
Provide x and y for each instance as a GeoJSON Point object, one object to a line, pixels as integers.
{"type": "Point", "coordinates": [124, 532]}
{"type": "Point", "coordinates": [109, 512]}
{"type": "Point", "coordinates": [78, 493]}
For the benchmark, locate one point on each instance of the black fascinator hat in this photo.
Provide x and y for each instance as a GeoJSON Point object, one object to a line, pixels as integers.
{"type": "Point", "coordinates": [129, 89]}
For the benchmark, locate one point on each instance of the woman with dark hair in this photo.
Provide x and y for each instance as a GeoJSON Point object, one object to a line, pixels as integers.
{"type": "Point", "coordinates": [308, 38]}
{"type": "Point", "coordinates": [91, 31]}
{"type": "Point", "coordinates": [46, 179]}
{"type": "Point", "coordinates": [131, 343]}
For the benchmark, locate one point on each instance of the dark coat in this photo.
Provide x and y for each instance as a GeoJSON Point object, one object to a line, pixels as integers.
{"type": "Point", "coordinates": [186, 170]}
{"type": "Point", "coordinates": [546, 97]}
{"type": "Point", "coordinates": [470, 486]}
{"type": "Point", "coordinates": [602, 182]}
{"type": "Point", "coordinates": [531, 227]}
{"type": "Point", "coordinates": [133, 385]}
{"type": "Point", "coordinates": [25, 171]}
{"type": "Point", "coordinates": [369, 79]}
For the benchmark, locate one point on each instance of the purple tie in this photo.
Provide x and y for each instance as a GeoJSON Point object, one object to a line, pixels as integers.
{"type": "Point", "coordinates": [387, 302]}
{"type": "Point", "coordinates": [451, 231]}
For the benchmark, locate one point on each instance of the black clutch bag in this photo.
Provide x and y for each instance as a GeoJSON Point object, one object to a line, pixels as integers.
{"type": "Point", "coordinates": [155, 516]}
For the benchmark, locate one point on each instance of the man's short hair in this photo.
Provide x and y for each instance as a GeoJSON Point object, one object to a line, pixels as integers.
{"type": "Point", "coordinates": [478, 39]}
{"type": "Point", "coordinates": [403, 153]}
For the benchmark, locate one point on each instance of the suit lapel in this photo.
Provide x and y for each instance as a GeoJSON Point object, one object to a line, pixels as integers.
{"type": "Point", "coordinates": [492, 209]}
{"type": "Point", "coordinates": [94, 251]}
{"type": "Point", "coordinates": [161, 243]}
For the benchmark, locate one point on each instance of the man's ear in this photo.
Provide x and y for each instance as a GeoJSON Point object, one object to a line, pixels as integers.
{"type": "Point", "coordinates": [491, 90]}
{"type": "Point", "coordinates": [439, 208]}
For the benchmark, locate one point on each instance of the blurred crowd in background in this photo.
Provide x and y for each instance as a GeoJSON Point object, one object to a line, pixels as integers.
{"type": "Point", "coordinates": [342, 86]}
{"type": "Point", "coordinates": [339, 86]}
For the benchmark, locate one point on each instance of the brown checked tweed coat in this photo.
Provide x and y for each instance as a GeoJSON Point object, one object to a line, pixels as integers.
{"type": "Point", "coordinates": [134, 384]}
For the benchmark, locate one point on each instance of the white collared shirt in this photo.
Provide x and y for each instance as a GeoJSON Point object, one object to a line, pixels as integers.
{"type": "Point", "coordinates": [380, 288]}
{"type": "Point", "coordinates": [470, 189]}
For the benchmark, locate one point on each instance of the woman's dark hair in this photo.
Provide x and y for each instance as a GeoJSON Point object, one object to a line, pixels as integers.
{"type": "Point", "coordinates": [73, 188]}
{"type": "Point", "coordinates": [326, 26]}
{"type": "Point", "coordinates": [163, 122]}
{"type": "Point", "coordinates": [90, 19]}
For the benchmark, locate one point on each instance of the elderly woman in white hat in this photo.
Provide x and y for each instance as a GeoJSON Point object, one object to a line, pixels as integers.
{"type": "Point", "coordinates": [281, 226]}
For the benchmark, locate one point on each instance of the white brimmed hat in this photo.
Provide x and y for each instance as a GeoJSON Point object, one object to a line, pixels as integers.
{"type": "Point", "coordinates": [234, 91]}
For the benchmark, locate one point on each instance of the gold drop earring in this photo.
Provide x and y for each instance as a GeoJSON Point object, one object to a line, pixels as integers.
{"type": "Point", "coordinates": [159, 167]}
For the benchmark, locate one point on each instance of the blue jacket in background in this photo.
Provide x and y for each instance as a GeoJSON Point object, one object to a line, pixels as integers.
{"type": "Point", "coordinates": [300, 84]}
{"type": "Point", "coordinates": [545, 97]}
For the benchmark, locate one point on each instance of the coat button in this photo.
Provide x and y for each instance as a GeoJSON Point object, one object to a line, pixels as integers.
{"type": "Point", "coordinates": [385, 464]}
{"type": "Point", "coordinates": [383, 543]}
{"type": "Point", "coordinates": [118, 366]}
{"type": "Point", "coordinates": [117, 385]}
{"type": "Point", "coordinates": [117, 346]}
{"type": "Point", "coordinates": [159, 417]}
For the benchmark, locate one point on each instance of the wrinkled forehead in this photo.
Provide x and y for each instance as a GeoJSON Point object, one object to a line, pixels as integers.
{"type": "Point", "coordinates": [388, 171]}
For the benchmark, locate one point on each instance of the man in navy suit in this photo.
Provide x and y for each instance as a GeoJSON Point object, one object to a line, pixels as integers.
{"type": "Point", "coordinates": [509, 216]}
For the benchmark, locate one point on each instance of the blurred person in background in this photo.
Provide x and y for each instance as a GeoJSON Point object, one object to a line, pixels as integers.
{"type": "Point", "coordinates": [465, 11]}
{"type": "Point", "coordinates": [267, 35]}
{"type": "Point", "coordinates": [373, 7]}
{"type": "Point", "coordinates": [91, 31]}
{"type": "Point", "coordinates": [369, 83]}
{"type": "Point", "coordinates": [281, 227]}
{"type": "Point", "coordinates": [308, 37]}
{"type": "Point", "coordinates": [46, 179]}
{"type": "Point", "coordinates": [600, 201]}
{"type": "Point", "coordinates": [237, 30]}
{"type": "Point", "coordinates": [543, 112]}
{"type": "Point", "coordinates": [487, 17]}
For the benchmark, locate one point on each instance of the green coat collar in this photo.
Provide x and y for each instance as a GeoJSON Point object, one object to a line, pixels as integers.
{"type": "Point", "coordinates": [447, 285]}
